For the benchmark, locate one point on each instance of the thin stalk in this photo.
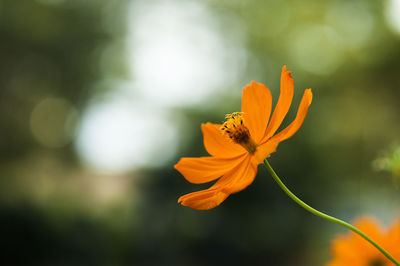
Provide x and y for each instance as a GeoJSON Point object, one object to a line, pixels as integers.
{"type": "Point", "coordinates": [325, 216]}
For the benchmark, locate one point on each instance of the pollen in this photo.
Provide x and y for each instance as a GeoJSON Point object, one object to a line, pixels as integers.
{"type": "Point", "coordinates": [234, 127]}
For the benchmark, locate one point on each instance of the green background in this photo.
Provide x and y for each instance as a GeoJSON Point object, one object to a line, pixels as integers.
{"type": "Point", "coordinates": [58, 57]}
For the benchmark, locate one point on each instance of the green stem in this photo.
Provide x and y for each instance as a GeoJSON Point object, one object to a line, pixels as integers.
{"type": "Point", "coordinates": [325, 216]}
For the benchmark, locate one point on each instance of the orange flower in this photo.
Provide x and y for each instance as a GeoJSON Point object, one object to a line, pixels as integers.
{"type": "Point", "coordinates": [241, 143]}
{"type": "Point", "coordinates": [351, 249]}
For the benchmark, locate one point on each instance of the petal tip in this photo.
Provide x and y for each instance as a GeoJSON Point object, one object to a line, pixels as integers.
{"type": "Point", "coordinates": [203, 200]}
{"type": "Point", "coordinates": [309, 94]}
{"type": "Point", "coordinates": [176, 165]}
{"type": "Point", "coordinates": [250, 85]}
{"type": "Point", "coordinates": [255, 85]}
{"type": "Point", "coordinates": [286, 74]}
{"type": "Point", "coordinates": [180, 199]}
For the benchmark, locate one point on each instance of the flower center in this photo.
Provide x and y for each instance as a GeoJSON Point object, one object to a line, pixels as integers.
{"type": "Point", "coordinates": [235, 128]}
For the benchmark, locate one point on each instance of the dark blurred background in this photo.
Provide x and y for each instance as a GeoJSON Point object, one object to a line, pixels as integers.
{"type": "Point", "coordinates": [100, 98]}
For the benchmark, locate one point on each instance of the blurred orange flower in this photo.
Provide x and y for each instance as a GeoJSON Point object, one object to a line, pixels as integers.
{"type": "Point", "coordinates": [351, 249]}
{"type": "Point", "coordinates": [241, 143]}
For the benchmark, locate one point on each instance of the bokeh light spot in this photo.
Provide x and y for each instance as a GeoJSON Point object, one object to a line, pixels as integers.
{"type": "Point", "coordinates": [353, 21]}
{"type": "Point", "coordinates": [177, 55]}
{"type": "Point", "coordinates": [117, 136]}
{"type": "Point", "coordinates": [51, 2]}
{"type": "Point", "coordinates": [316, 49]}
{"type": "Point", "coordinates": [53, 121]}
{"type": "Point", "coordinates": [392, 12]}
{"type": "Point", "coordinates": [274, 15]}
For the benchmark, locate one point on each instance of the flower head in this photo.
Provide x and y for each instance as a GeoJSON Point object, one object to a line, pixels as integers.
{"type": "Point", "coordinates": [351, 249]}
{"type": "Point", "coordinates": [242, 142]}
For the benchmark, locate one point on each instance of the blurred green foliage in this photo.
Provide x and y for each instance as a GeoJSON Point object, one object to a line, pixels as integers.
{"type": "Point", "coordinates": [54, 211]}
{"type": "Point", "coordinates": [389, 161]}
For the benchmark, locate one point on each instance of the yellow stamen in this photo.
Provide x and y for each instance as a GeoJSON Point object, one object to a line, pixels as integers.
{"type": "Point", "coordinates": [234, 127]}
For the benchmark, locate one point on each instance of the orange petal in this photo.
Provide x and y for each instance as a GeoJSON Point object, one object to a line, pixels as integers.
{"type": "Point", "coordinates": [351, 249]}
{"type": "Point", "coordinates": [256, 106]}
{"type": "Point", "coordinates": [219, 145]}
{"type": "Point", "coordinates": [235, 180]}
{"type": "Point", "coordinates": [264, 150]}
{"type": "Point", "coordinates": [298, 121]}
{"type": "Point", "coordinates": [238, 178]}
{"type": "Point", "coordinates": [371, 228]}
{"type": "Point", "coordinates": [343, 250]}
{"type": "Point", "coordinates": [394, 236]}
{"type": "Point", "coordinates": [204, 199]}
{"type": "Point", "coordinates": [283, 105]}
{"type": "Point", "coordinates": [393, 240]}
{"type": "Point", "coordinates": [206, 169]}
